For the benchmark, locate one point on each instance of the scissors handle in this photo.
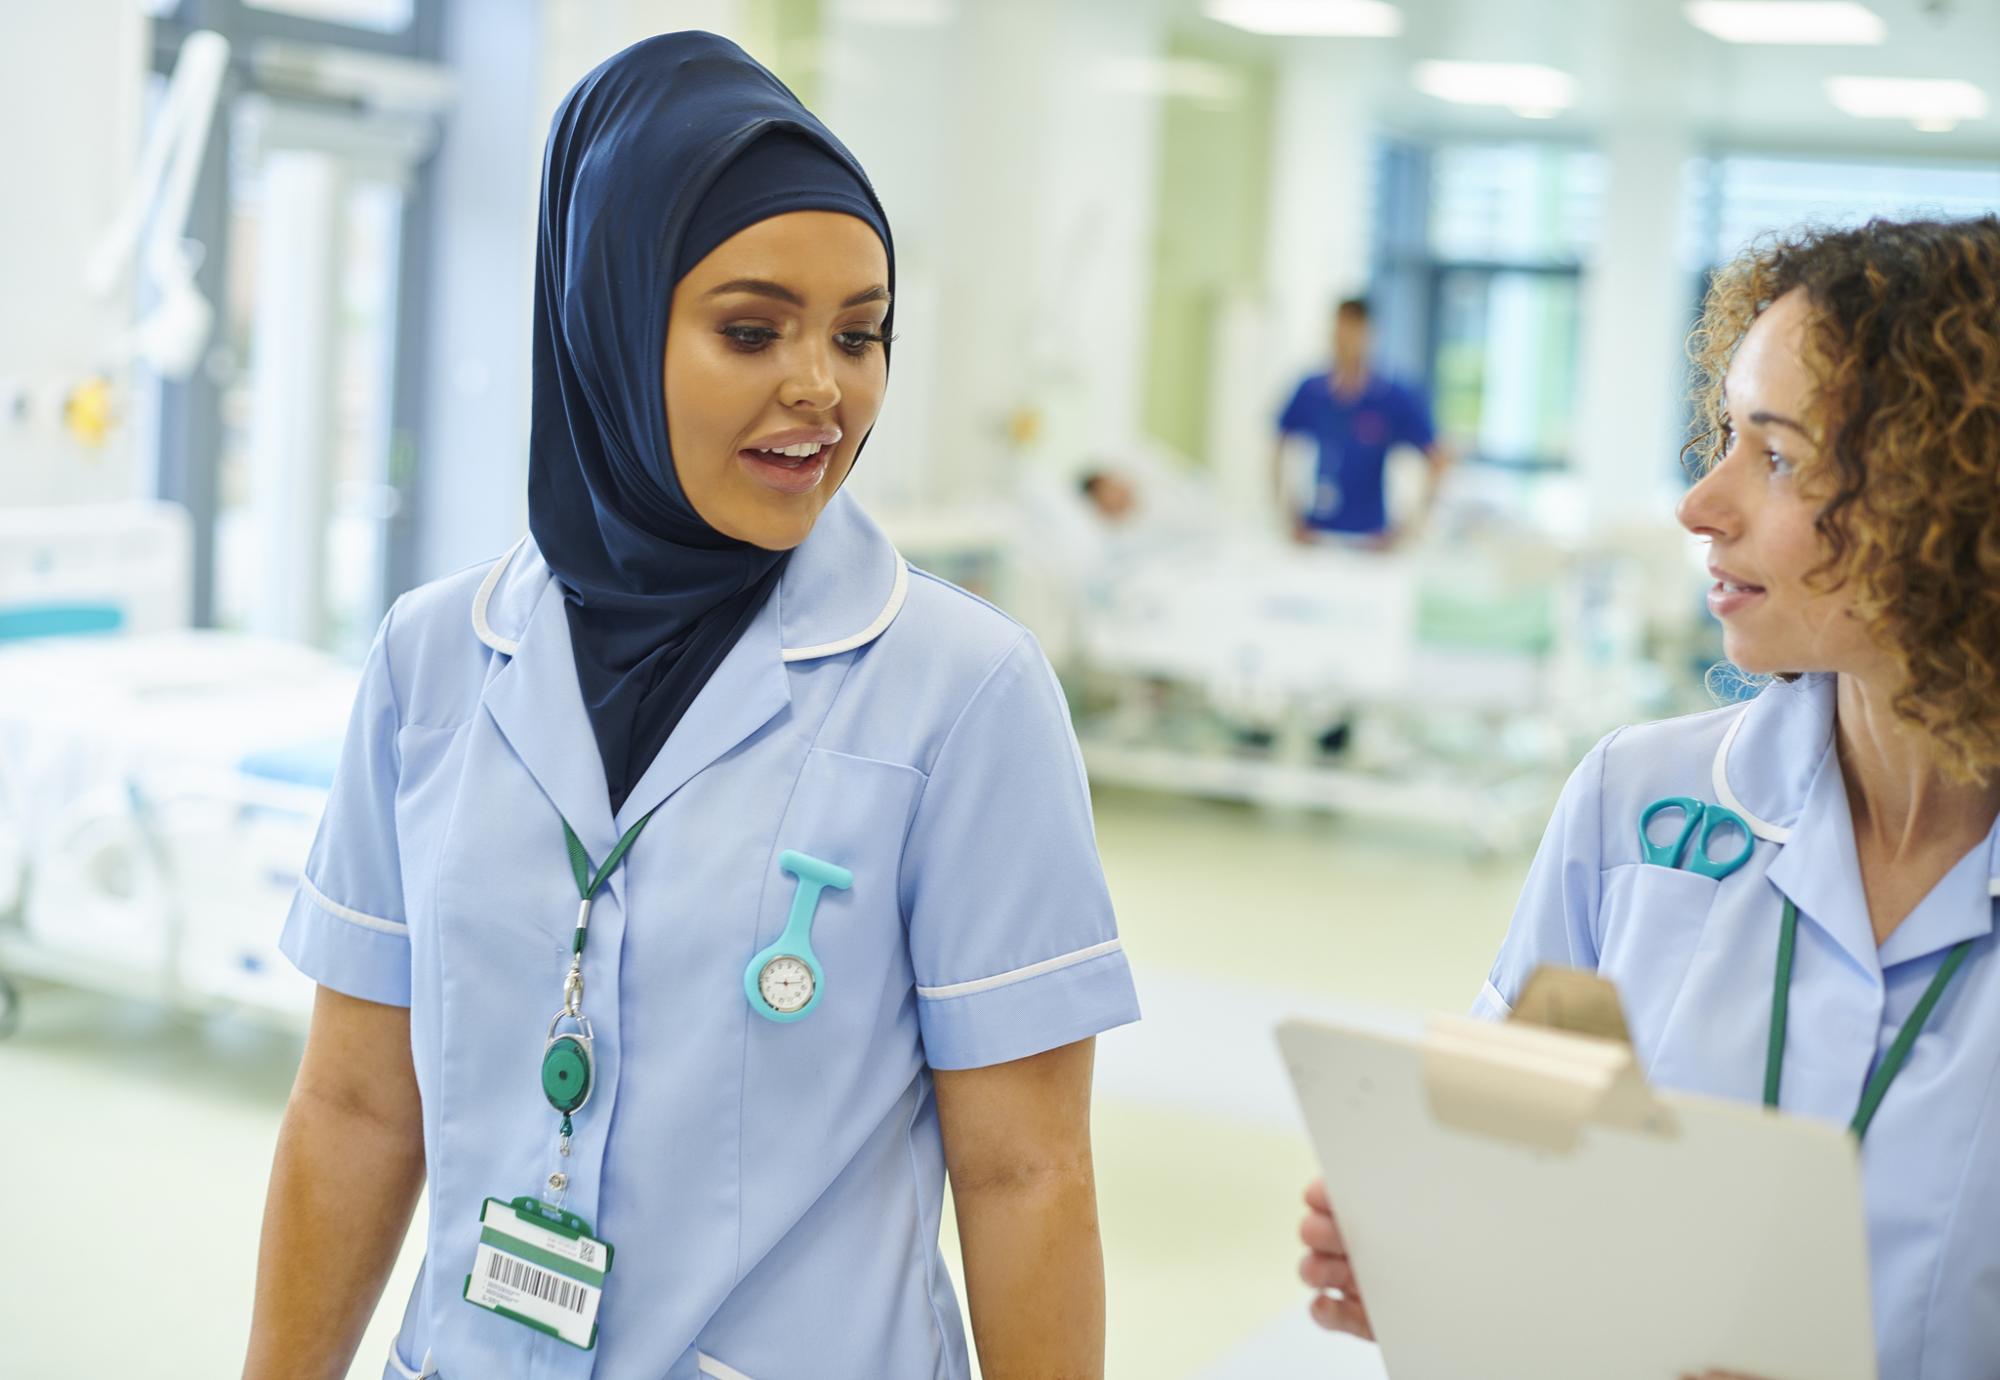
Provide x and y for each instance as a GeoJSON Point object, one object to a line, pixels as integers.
{"type": "Point", "coordinates": [1690, 847]}
{"type": "Point", "coordinates": [1715, 817]}
{"type": "Point", "coordinates": [1669, 854]}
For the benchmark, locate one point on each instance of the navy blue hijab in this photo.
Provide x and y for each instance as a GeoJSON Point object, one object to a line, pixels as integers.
{"type": "Point", "coordinates": [654, 158]}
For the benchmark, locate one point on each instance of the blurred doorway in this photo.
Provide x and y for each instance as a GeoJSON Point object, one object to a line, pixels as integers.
{"type": "Point", "coordinates": [292, 445]}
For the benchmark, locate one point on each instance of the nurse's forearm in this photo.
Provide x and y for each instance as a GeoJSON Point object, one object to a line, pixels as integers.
{"type": "Point", "coordinates": [1034, 1276]}
{"type": "Point", "coordinates": [343, 1187]}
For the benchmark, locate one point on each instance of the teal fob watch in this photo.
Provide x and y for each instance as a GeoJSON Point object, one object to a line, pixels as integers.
{"type": "Point", "coordinates": [784, 981]}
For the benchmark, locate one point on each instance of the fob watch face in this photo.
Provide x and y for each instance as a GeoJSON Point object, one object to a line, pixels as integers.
{"type": "Point", "coordinates": [786, 983]}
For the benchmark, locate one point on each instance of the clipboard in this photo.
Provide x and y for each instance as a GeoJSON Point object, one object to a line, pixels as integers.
{"type": "Point", "coordinates": [1520, 1205]}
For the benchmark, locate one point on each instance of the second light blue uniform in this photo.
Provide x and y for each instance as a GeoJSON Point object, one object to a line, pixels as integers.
{"type": "Point", "coordinates": [772, 1190]}
{"type": "Point", "coordinates": [1694, 957]}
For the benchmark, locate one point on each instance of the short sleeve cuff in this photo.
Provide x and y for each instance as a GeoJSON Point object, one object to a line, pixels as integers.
{"type": "Point", "coordinates": [351, 952]}
{"type": "Point", "coordinates": [994, 1020]}
{"type": "Point", "coordinates": [1491, 1006]}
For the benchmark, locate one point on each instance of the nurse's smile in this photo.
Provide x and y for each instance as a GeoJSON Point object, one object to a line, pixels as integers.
{"type": "Point", "coordinates": [792, 462]}
{"type": "Point", "coordinates": [1730, 593]}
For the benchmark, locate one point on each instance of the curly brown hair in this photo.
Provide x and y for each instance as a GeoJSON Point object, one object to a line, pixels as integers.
{"type": "Point", "coordinates": [1903, 347]}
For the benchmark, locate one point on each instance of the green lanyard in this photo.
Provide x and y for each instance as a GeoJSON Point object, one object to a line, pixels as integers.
{"type": "Point", "coordinates": [588, 884]}
{"type": "Point", "coordinates": [1899, 1052]}
{"type": "Point", "coordinates": [569, 1061]}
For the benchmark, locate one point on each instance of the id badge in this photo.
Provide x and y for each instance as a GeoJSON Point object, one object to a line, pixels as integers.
{"type": "Point", "coordinates": [539, 1266]}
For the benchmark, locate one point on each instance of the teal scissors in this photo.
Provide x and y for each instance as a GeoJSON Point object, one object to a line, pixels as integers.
{"type": "Point", "coordinates": [1699, 824]}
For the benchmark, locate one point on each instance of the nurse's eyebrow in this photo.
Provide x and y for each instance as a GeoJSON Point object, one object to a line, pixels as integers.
{"type": "Point", "coordinates": [1773, 419]}
{"type": "Point", "coordinates": [758, 287]}
{"type": "Point", "coordinates": [764, 287]}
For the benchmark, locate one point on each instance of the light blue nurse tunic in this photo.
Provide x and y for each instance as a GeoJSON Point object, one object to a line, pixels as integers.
{"type": "Point", "coordinates": [772, 1191]}
{"type": "Point", "coordinates": [1694, 959]}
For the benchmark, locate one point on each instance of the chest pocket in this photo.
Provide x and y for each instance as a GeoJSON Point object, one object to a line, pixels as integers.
{"type": "Point", "coordinates": [1653, 921]}
{"type": "Point", "coordinates": [854, 813]}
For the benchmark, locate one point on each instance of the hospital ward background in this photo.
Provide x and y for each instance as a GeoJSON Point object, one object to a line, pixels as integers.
{"type": "Point", "coordinates": [264, 366]}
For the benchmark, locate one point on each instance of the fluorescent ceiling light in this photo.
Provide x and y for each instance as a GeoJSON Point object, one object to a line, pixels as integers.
{"type": "Point", "coordinates": [1309, 18]}
{"type": "Point", "coordinates": [1524, 88]}
{"type": "Point", "coordinates": [1817, 22]}
{"type": "Point", "coordinates": [1933, 106]}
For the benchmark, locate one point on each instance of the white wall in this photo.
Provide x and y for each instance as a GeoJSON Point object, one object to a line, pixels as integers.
{"type": "Point", "coordinates": [1316, 252]}
{"type": "Point", "coordinates": [72, 127]}
{"type": "Point", "coordinates": [1015, 147]}
{"type": "Point", "coordinates": [1322, 196]}
{"type": "Point", "coordinates": [472, 477]}
{"type": "Point", "coordinates": [1631, 371]}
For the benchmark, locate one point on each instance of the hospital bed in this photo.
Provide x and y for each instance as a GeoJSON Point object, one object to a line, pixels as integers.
{"type": "Point", "coordinates": [159, 785]}
{"type": "Point", "coordinates": [1469, 672]}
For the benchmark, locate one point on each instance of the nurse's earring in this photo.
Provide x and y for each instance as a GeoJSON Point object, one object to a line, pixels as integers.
{"type": "Point", "coordinates": [784, 981]}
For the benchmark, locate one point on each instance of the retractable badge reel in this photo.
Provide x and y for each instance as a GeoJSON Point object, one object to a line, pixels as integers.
{"type": "Point", "coordinates": [569, 1059]}
{"type": "Point", "coordinates": [784, 981]}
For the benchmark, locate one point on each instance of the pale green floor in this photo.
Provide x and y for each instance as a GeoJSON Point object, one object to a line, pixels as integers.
{"type": "Point", "coordinates": [139, 1142]}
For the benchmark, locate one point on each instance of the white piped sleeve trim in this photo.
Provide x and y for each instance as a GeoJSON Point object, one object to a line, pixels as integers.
{"type": "Point", "coordinates": [1047, 965]}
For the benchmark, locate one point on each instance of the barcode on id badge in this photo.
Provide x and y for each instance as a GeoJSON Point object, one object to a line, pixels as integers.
{"type": "Point", "coordinates": [541, 1284]}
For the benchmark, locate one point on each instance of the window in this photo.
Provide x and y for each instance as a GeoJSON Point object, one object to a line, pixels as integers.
{"type": "Point", "coordinates": [1745, 195]}
{"type": "Point", "coordinates": [1480, 254]}
{"type": "Point", "coordinates": [1515, 203]}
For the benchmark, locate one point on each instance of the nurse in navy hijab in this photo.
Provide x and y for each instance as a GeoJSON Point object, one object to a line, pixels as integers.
{"type": "Point", "coordinates": [791, 837]}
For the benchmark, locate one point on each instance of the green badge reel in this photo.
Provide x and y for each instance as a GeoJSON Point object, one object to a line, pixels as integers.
{"type": "Point", "coordinates": [569, 1065]}
{"type": "Point", "coordinates": [783, 982]}
{"type": "Point", "coordinates": [569, 1057]}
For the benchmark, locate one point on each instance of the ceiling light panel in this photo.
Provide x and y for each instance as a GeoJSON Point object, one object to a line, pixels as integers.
{"type": "Point", "coordinates": [1309, 18]}
{"type": "Point", "coordinates": [1935, 105]}
{"type": "Point", "coordinates": [1524, 88]}
{"type": "Point", "coordinates": [1823, 23]}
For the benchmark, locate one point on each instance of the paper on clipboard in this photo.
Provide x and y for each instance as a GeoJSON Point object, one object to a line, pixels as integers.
{"type": "Point", "coordinates": [1520, 1205]}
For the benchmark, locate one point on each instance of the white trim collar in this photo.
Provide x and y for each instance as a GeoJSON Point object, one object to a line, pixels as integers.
{"type": "Point", "coordinates": [1762, 828]}
{"type": "Point", "coordinates": [897, 594]}
{"type": "Point", "coordinates": [1771, 751]}
{"type": "Point", "coordinates": [481, 601]}
{"type": "Point", "coordinates": [833, 581]}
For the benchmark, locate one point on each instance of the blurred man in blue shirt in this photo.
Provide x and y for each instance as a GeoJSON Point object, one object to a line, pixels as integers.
{"type": "Point", "coordinates": [1356, 417]}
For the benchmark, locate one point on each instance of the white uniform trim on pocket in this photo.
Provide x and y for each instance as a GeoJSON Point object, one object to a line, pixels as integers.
{"type": "Point", "coordinates": [708, 1365]}
{"type": "Point", "coordinates": [353, 917]}
{"type": "Point", "coordinates": [1047, 965]}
